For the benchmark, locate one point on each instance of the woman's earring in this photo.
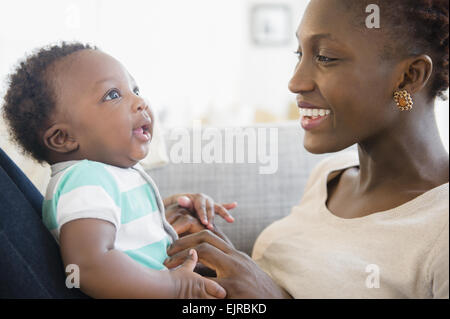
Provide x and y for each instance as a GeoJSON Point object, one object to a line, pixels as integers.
{"type": "Point", "coordinates": [403, 100]}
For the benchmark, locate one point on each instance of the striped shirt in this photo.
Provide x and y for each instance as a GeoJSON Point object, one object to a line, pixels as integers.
{"type": "Point", "coordinates": [126, 197]}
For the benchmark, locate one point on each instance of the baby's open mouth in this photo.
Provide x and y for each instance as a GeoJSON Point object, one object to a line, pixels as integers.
{"type": "Point", "coordinates": [142, 132]}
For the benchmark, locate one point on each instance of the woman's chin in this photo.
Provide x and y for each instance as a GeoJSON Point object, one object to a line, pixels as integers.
{"type": "Point", "coordinates": [315, 149]}
{"type": "Point", "coordinates": [317, 145]}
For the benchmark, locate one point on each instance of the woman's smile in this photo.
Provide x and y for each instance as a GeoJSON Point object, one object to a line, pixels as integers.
{"type": "Point", "coordinates": [310, 121]}
{"type": "Point", "coordinates": [312, 116]}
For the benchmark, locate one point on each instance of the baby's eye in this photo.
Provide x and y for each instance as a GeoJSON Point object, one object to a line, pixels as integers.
{"type": "Point", "coordinates": [113, 94]}
{"type": "Point", "coordinates": [136, 91]}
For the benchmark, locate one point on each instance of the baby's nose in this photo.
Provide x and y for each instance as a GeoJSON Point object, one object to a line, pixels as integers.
{"type": "Point", "coordinates": [140, 106]}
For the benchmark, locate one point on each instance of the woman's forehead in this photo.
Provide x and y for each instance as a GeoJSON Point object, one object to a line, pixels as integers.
{"type": "Point", "coordinates": [332, 21]}
{"type": "Point", "coordinates": [326, 19]}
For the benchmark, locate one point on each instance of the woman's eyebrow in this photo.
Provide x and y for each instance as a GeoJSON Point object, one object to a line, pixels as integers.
{"type": "Point", "coordinates": [319, 36]}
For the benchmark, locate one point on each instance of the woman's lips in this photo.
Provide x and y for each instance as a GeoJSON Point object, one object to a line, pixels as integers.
{"type": "Point", "coordinates": [311, 123]}
{"type": "Point", "coordinates": [313, 117]}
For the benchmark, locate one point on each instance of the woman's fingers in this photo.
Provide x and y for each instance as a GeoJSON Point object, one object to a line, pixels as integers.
{"type": "Point", "coordinates": [173, 213]}
{"type": "Point", "coordinates": [186, 223]}
{"type": "Point", "coordinates": [192, 240]}
{"type": "Point", "coordinates": [208, 255]}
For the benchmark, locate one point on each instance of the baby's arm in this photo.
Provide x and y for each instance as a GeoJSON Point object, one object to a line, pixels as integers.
{"type": "Point", "coordinates": [109, 273]}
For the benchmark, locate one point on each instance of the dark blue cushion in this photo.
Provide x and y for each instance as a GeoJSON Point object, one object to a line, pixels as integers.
{"type": "Point", "coordinates": [30, 261]}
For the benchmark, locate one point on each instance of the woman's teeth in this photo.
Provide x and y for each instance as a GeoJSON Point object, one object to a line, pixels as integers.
{"type": "Point", "coordinates": [314, 112]}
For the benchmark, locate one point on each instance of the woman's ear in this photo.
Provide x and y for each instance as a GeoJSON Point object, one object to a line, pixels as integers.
{"type": "Point", "coordinates": [416, 74]}
{"type": "Point", "coordinates": [58, 139]}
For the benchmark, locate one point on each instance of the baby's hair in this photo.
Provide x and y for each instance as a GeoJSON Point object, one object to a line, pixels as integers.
{"type": "Point", "coordinates": [30, 98]}
{"type": "Point", "coordinates": [414, 28]}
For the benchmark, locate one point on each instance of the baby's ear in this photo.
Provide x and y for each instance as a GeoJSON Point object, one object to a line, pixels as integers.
{"type": "Point", "coordinates": [57, 138]}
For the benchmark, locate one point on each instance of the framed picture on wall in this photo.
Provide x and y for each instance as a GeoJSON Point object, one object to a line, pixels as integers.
{"type": "Point", "coordinates": [270, 24]}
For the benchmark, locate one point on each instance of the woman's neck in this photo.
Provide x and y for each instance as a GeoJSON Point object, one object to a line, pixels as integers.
{"type": "Point", "coordinates": [409, 155]}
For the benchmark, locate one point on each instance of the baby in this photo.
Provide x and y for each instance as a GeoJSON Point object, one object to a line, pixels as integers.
{"type": "Point", "coordinates": [78, 109]}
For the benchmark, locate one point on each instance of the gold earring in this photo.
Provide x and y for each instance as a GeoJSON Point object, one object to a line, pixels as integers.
{"type": "Point", "coordinates": [403, 100]}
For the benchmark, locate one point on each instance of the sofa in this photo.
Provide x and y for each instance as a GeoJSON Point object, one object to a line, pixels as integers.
{"type": "Point", "coordinates": [262, 198]}
{"type": "Point", "coordinates": [31, 266]}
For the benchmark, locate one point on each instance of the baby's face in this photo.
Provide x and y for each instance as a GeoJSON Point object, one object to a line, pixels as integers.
{"type": "Point", "coordinates": [101, 103]}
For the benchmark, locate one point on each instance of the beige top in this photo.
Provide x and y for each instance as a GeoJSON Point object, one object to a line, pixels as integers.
{"type": "Point", "coordinates": [399, 253]}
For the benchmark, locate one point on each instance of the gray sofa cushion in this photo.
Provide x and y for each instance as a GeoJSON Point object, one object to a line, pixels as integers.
{"type": "Point", "coordinates": [262, 199]}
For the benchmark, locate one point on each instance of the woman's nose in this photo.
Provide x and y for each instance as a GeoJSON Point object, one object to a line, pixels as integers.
{"type": "Point", "coordinates": [302, 80]}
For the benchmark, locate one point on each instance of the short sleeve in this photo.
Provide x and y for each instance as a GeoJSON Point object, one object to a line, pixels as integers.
{"type": "Point", "coordinates": [87, 190]}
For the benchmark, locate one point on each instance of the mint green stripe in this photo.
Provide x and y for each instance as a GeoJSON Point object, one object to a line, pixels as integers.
{"type": "Point", "coordinates": [89, 173]}
{"type": "Point", "coordinates": [152, 255]}
{"type": "Point", "coordinates": [136, 203]}
{"type": "Point", "coordinates": [49, 214]}
{"type": "Point", "coordinates": [84, 173]}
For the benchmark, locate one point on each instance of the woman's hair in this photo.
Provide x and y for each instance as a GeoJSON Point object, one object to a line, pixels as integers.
{"type": "Point", "coordinates": [413, 28]}
{"type": "Point", "coordinates": [30, 97]}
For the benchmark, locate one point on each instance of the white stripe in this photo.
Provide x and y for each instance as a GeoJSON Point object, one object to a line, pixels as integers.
{"type": "Point", "coordinates": [126, 178]}
{"type": "Point", "coordinates": [140, 232]}
{"type": "Point", "coordinates": [85, 202]}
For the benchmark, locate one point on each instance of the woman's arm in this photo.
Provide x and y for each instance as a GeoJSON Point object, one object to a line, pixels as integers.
{"type": "Point", "coordinates": [109, 273]}
{"type": "Point", "coordinates": [236, 271]}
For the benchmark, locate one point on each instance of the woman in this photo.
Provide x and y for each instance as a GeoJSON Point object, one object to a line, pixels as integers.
{"type": "Point", "coordinates": [373, 225]}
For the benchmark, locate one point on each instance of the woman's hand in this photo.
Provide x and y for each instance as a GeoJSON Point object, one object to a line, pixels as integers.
{"type": "Point", "coordinates": [236, 271]}
{"type": "Point", "coordinates": [184, 222]}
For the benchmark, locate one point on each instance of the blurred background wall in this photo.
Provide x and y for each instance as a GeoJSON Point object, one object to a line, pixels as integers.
{"type": "Point", "coordinates": [196, 59]}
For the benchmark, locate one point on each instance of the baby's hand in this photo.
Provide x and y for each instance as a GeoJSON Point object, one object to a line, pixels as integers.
{"type": "Point", "coordinates": [189, 285]}
{"type": "Point", "coordinates": [205, 208]}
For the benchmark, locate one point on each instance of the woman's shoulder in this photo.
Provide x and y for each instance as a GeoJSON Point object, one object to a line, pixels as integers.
{"type": "Point", "coordinates": [337, 161]}
{"type": "Point", "coordinates": [331, 163]}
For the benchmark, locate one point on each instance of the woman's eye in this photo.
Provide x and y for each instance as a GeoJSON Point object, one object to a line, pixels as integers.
{"type": "Point", "coordinates": [299, 54]}
{"type": "Point", "coordinates": [113, 94]}
{"type": "Point", "coordinates": [325, 59]}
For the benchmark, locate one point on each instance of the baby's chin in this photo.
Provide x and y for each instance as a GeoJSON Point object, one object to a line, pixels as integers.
{"type": "Point", "coordinates": [130, 160]}
{"type": "Point", "coordinates": [140, 156]}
